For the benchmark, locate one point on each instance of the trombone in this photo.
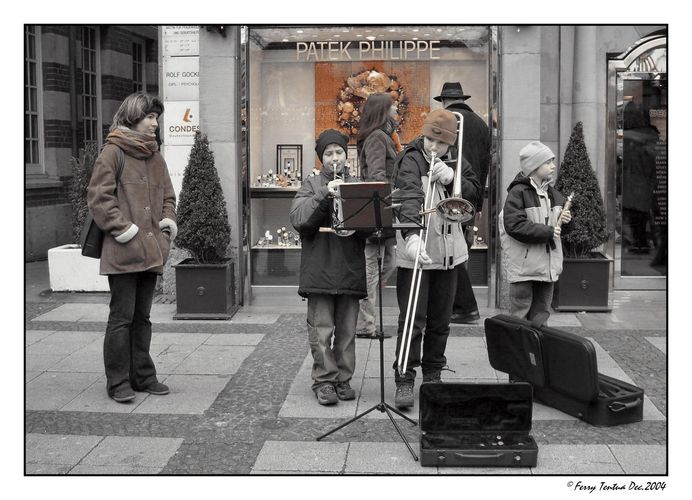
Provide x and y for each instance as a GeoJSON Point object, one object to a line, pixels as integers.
{"type": "Point", "coordinates": [405, 346]}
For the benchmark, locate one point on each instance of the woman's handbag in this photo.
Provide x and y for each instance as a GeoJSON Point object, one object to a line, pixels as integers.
{"type": "Point", "coordinates": [91, 238]}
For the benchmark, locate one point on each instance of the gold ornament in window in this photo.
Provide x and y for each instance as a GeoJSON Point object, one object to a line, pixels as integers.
{"type": "Point", "coordinates": [356, 90]}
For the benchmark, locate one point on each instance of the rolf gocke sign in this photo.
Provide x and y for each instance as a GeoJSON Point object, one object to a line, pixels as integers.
{"type": "Point", "coordinates": [181, 78]}
{"type": "Point", "coordinates": [404, 50]}
{"type": "Point", "coordinates": [182, 121]}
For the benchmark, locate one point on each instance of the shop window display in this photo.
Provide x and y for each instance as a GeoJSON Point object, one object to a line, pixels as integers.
{"type": "Point", "coordinates": [301, 81]}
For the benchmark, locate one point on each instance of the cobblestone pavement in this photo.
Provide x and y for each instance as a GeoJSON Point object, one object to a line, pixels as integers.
{"type": "Point", "coordinates": [229, 436]}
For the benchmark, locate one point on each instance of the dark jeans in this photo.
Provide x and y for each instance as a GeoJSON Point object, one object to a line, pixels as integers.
{"type": "Point", "coordinates": [128, 333]}
{"type": "Point", "coordinates": [464, 299]}
{"type": "Point", "coordinates": [433, 313]}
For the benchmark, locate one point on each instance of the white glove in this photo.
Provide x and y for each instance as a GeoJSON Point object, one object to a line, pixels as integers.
{"type": "Point", "coordinates": [332, 186]}
{"type": "Point", "coordinates": [412, 241]}
{"type": "Point", "coordinates": [441, 172]}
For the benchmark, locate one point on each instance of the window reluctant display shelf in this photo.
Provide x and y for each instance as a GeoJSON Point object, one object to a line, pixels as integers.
{"type": "Point", "coordinates": [275, 246]}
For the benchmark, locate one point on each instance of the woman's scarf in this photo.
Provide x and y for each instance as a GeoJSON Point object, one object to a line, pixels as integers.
{"type": "Point", "coordinates": [135, 144]}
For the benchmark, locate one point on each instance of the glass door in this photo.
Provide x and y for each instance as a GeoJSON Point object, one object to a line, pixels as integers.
{"type": "Point", "coordinates": [638, 196]}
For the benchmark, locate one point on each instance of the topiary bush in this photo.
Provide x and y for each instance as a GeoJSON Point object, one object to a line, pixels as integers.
{"type": "Point", "coordinates": [82, 168]}
{"type": "Point", "coordinates": [203, 227]}
{"type": "Point", "coordinates": [588, 228]}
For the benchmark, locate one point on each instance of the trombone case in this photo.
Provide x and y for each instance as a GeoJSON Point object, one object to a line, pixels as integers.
{"type": "Point", "coordinates": [562, 369]}
{"type": "Point", "coordinates": [484, 425]}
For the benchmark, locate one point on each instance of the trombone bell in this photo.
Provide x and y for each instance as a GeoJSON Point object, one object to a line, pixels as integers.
{"type": "Point", "coordinates": [456, 210]}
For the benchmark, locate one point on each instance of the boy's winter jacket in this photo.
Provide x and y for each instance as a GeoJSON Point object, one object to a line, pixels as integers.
{"type": "Point", "coordinates": [527, 224]}
{"type": "Point", "coordinates": [445, 245]}
{"type": "Point", "coordinates": [329, 264]}
{"type": "Point", "coordinates": [133, 213]}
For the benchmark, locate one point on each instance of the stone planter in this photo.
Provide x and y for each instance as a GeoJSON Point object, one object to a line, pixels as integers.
{"type": "Point", "coordinates": [70, 271]}
{"type": "Point", "coordinates": [583, 284]}
{"type": "Point", "coordinates": [204, 291]}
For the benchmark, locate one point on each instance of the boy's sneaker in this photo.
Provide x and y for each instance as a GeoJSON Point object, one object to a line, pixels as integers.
{"type": "Point", "coordinates": [157, 389]}
{"type": "Point", "coordinates": [326, 395]}
{"type": "Point", "coordinates": [344, 391]}
{"type": "Point", "coordinates": [403, 398]}
{"type": "Point", "coordinates": [123, 394]}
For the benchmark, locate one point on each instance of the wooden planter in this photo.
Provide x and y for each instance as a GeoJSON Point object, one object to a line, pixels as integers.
{"type": "Point", "coordinates": [204, 291]}
{"type": "Point", "coordinates": [583, 285]}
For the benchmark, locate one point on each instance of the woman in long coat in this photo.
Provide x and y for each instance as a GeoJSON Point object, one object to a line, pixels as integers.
{"type": "Point", "coordinates": [131, 199]}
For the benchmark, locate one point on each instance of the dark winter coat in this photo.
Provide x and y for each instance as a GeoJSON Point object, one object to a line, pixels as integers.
{"type": "Point", "coordinates": [329, 264]}
{"type": "Point", "coordinates": [476, 144]}
{"type": "Point", "coordinates": [446, 245]}
{"type": "Point", "coordinates": [376, 154]}
{"type": "Point", "coordinates": [527, 224]}
{"type": "Point", "coordinates": [133, 215]}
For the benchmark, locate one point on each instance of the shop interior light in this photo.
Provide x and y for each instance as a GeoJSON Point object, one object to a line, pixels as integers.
{"type": "Point", "coordinates": [371, 38]}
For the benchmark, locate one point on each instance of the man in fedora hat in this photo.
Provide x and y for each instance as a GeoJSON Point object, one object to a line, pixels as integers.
{"type": "Point", "coordinates": [476, 150]}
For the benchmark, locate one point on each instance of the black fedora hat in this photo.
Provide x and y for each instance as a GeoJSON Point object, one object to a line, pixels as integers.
{"type": "Point", "coordinates": [451, 90]}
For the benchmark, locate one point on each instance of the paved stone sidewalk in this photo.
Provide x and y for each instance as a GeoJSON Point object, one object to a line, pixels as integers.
{"type": "Point", "coordinates": [241, 404]}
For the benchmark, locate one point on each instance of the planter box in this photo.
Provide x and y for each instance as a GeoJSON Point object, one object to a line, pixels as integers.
{"type": "Point", "coordinates": [70, 271]}
{"type": "Point", "coordinates": [204, 291]}
{"type": "Point", "coordinates": [583, 285]}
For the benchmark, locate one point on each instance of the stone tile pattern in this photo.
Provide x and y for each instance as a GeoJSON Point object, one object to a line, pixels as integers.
{"type": "Point", "coordinates": [229, 437]}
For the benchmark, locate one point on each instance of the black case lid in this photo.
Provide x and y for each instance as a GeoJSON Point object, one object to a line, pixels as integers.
{"type": "Point", "coordinates": [458, 407]}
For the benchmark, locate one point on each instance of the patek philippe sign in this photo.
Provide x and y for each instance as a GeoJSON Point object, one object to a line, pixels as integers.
{"type": "Point", "coordinates": [391, 50]}
{"type": "Point", "coordinates": [181, 78]}
{"type": "Point", "coordinates": [182, 121]}
{"type": "Point", "coordinates": [180, 40]}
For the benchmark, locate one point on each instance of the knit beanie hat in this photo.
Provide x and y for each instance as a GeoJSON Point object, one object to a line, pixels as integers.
{"type": "Point", "coordinates": [330, 136]}
{"type": "Point", "coordinates": [441, 124]}
{"type": "Point", "coordinates": [533, 155]}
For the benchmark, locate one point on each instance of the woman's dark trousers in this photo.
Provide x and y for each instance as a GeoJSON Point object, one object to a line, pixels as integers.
{"type": "Point", "coordinates": [128, 333]}
{"type": "Point", "coordinates": [433, 313]}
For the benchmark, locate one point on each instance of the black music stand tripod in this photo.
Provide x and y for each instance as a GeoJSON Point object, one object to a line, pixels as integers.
{"type": "Point", "coordinates": [376, 202]}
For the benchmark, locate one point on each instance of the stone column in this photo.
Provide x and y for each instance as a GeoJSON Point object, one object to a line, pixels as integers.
{"type": "Point", "coordinates": [218, 111]}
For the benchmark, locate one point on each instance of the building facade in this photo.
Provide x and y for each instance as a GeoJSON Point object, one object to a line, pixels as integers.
{"type": "Point", "coordinates": [266, 92]}
{"type": "Point", "coordinates": [75, 78]}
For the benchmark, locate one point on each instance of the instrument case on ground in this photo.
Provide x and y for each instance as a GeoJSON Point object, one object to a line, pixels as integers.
{"type": "Point", "coordinates": [485, 425]}
{"type": "Point", "coordinates": [562, 369]}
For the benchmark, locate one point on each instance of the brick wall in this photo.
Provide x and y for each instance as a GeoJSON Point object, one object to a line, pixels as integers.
{"type": "Point", "coordinates": [115, 88]}
{"type": "Point", "coordinates": [57, 133]}
{"type": "Point", "coordinates": [56, 77]}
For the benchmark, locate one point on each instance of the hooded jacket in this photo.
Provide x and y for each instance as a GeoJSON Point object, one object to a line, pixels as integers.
{"type": "Point", "coordinates": [527, 224]}
{"type": "Point", "coordinates": [445, 245]}
{"type": "Point", "coordinates": [133, 213]}
{"type": "Point", "coordinates": [329, 264]}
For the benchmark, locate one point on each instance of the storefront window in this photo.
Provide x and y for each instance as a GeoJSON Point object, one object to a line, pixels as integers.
{"type": "Point", "coordinates": [301, 81]}
{"type": "Point", "coordinates": [642, 166]}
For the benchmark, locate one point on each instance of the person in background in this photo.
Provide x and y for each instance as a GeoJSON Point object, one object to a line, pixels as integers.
{"type": "Point", "coordinates": [476, 150]}
{"type": "Point", "coordinates": [332, 274]}
{"type": "Point", "coordinates": [137, 216]}
{"type": "Point", "coordinates": [530, 234]}
{"type": "Point", "coordinates": [377, 147]}
{"type": "Point", "coordinates": [445, 249]}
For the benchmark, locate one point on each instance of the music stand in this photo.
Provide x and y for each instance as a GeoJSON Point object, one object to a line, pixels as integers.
{"type": "Point", "coordinates": [355, 200]}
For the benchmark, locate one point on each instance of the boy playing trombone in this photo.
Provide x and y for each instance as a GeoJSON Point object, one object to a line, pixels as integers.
{"type": "Point", "coordinates": [422, 176]}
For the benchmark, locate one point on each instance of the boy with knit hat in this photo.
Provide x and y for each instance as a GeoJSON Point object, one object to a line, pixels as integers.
{"type": "Point", "coordinates": [530, 235]}
{"type": "Point", "coordinates": [332, 274]}
{"type": "Point", "coordinates": [444, 250]}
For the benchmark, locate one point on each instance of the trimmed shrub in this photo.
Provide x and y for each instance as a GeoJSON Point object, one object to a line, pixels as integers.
{"type": "Point", "coordinates": [588, 228]}
{"type": "Point", "coordinates": [203, 227]}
